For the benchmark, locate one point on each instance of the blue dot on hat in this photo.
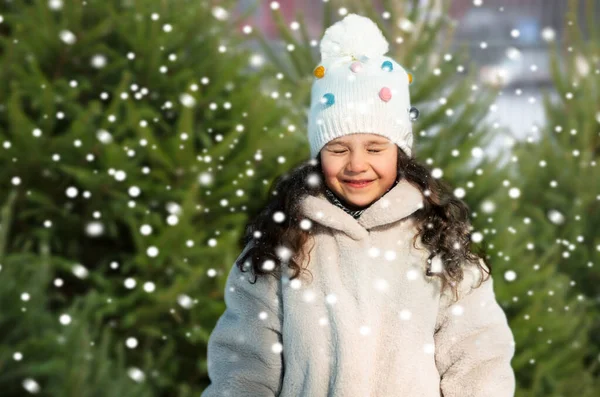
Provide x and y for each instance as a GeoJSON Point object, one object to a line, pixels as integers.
{"type": "Point", "coordinates": [387, 66]}
{"type": "Point", "coordinates": [328, 99]}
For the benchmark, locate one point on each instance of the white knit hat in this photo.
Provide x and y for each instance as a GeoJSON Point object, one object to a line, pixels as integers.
{"type": "Point", "coordinates": [357, 89]}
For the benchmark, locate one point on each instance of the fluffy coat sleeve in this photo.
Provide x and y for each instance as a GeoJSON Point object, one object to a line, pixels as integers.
{"type": "Point", "coordinates": [474, 344]}
{"type": "Point", "coordinates": [244, 354]}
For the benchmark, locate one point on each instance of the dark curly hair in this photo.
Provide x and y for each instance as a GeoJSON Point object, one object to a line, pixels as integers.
{"type": "Point", "coordinates": [442, 223]}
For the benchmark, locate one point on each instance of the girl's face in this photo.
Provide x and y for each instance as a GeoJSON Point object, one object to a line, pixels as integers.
{"type": "Point", "coordinates": [364, 157]}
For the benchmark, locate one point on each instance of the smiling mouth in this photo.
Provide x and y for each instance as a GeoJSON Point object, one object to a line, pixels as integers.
{"type": "Point", "coordinates": [358, 184]}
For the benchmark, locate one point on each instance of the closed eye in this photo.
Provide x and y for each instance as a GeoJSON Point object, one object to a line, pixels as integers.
{"type": "Point", "coordinates": [370, 150]}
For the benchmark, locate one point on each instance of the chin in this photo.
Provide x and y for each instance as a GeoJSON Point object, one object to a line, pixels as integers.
{"type": "Point", "coordinates": [359, 200]}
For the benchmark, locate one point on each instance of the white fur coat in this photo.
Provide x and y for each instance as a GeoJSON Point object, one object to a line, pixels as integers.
{"type": "Point", "coordinates": [369, 323]}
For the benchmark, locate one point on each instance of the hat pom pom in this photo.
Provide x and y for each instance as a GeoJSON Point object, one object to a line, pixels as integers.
{"type": "Point", "coordinates": [354, 35]}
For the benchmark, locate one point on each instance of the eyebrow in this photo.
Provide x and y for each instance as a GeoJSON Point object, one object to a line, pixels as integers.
{"type": "Point", "coordinates": [368, 143]}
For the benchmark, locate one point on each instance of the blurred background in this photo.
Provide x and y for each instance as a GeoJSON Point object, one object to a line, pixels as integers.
{"type": "Point", "coordinates": [139, 137]}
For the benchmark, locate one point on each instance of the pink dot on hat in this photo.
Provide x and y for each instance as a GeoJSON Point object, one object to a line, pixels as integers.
{"type": "Point", "coordinates": [385, 94]}
{"type": "Point", "coordinates": [356, 67]}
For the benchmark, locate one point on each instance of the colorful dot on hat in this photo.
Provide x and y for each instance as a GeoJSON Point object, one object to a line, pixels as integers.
{"type": "Point", "coordinates": [387, 66]}
{"type": "Point", "coordinates": [413, 113]}
{"type": "Point", "coordinates": [328, 99]}
{"type": "Point", "coordinates": [385, 94]}
{"type": "Point", "coordinates": [319, 72]}
{"type": "Point", "coordinates": [356, 67]}
{"type": "Point", "coordinates": [410, 78]}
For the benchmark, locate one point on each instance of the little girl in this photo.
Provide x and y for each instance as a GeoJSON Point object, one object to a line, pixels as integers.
{"type": "Point", "coordinates": [396, 303]}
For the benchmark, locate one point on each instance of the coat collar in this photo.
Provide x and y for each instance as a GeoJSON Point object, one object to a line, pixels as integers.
{"type": "Point", "coordinates": [401, 201]}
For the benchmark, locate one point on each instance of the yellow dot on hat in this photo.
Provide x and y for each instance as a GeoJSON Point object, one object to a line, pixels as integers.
{"type": "Point", "coordinates": [319, 72]}
{"type": "Point", "coordinates": [410, 78]}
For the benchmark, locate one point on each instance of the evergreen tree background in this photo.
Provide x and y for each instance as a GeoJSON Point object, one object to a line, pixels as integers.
{"type": "Point", "coordinates": [138, 141]}
{"type": "Point", "coordinates": [131, 139]}
{"type": "Point", "coordinates": [554, 223]}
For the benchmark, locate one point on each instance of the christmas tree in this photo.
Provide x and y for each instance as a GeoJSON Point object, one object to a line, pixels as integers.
{"type": "Point", "coordinates": [133, 144]}
{"type": "Point", "coordinates": [51, 352]}
{"type": "Point", "coordinates": [551, 227]}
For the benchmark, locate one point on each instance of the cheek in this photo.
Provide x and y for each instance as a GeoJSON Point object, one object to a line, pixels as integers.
{"type": "Point", "coordinates": [331, 168]}
{"type": "Point", "coordinates": [386, 168]}
{"type": "Point", "coordinates": [331, 176]}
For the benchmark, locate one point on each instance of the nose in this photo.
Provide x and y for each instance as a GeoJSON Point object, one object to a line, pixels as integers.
{"type": "Point", "coordinates": [357, 162]}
